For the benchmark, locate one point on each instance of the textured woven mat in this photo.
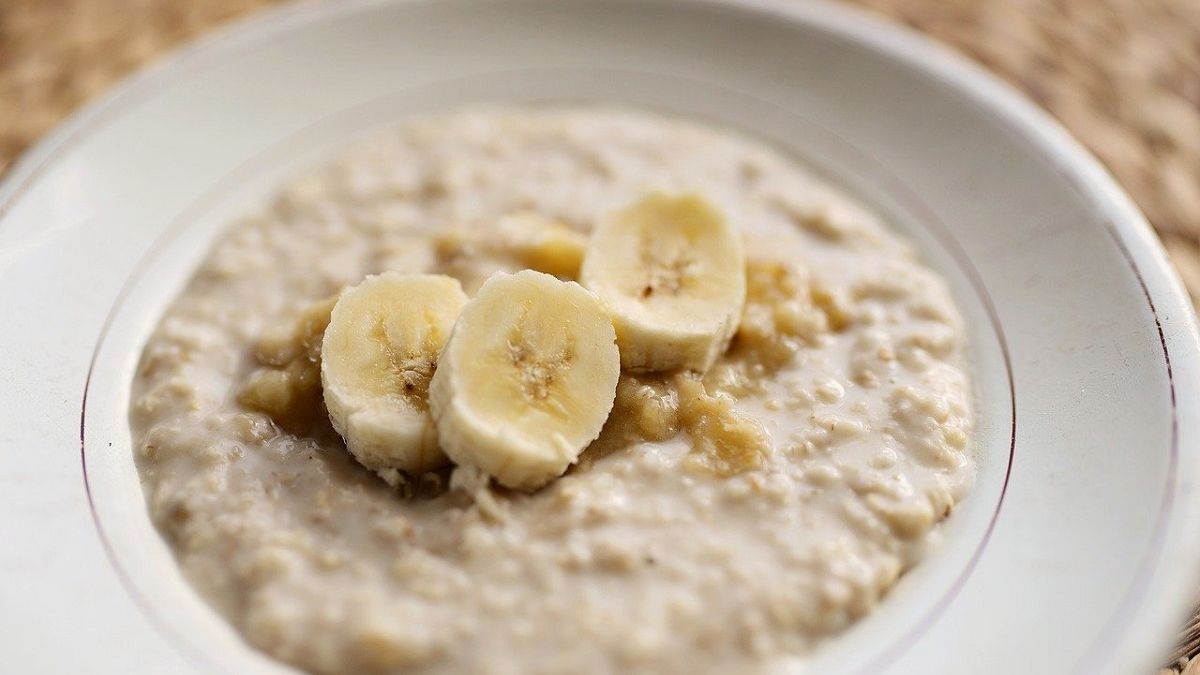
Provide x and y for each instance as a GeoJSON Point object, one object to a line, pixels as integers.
{"type": "Point", "coordinates": [1122, 75]}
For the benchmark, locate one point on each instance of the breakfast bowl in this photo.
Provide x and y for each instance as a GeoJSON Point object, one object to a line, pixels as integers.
{"type": "Point", "coordinates": [1050, 534]}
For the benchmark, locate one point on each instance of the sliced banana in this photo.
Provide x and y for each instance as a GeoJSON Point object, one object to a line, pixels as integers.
{"type": "Point", "coordinates": [671, 272]}
{"type": "Point", "coordinates": [527, 379]}
{"type": "Point", "coordinates": [542, 243]}
{"type": "Point", "coordinates": [377, 357]}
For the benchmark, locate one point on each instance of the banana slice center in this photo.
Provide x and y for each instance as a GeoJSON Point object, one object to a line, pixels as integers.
{"type": "Point", "coordinates": [667, 274]}
{"type": "Point", "coordinates": [408, 371]}
{"type": "Point", "coordinates": [540, 360]}
{"type": "Point", "coordinates": [537, 374]}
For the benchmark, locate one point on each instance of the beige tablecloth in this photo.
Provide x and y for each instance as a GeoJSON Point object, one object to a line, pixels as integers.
{"type": "Point", "coordinates": [1122, 75]}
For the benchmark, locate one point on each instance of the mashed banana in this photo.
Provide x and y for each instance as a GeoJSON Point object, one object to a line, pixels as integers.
{"type": "Point", "coordinates": [719, 524]}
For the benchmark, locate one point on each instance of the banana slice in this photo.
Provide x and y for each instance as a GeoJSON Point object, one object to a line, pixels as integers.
{"type": "Point", "coordinates": [672, 272]}
{"type": "Point", "coordinates": [527, 379]}
{"type": "Point", "coordinates": [377, 357]}
{"type": "Point", "coordinates": [543, 244]}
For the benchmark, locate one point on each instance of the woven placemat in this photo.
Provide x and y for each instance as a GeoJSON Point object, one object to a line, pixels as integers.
{"type": "Point", "coordinates": [1122, 75]}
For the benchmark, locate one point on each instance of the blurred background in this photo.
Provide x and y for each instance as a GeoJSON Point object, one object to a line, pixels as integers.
{"type": "Point", "coordinates": [1122, 75]}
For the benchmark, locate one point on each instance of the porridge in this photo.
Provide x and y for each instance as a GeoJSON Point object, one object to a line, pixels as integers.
{"type": "Point", "coordinates": [758, 485]}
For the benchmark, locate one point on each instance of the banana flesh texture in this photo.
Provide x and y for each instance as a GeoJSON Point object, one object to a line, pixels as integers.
{"type": "Point", "coordinates": [378, 356]}
{"type": "Point", "coordinates": [670, 269]}
{"type": "Point", "coordinates": [526, 380]}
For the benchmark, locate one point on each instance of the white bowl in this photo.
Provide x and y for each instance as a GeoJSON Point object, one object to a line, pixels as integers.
{"type": "Point", "coordinates": [1073, 554]}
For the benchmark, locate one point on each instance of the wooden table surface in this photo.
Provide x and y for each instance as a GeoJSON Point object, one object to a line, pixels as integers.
{"type": "Point", "coordinates": [1122, 75]}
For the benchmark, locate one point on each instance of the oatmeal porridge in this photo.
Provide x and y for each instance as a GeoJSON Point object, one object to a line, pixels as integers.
{"type": "Point", "coordinates": [755, 497]}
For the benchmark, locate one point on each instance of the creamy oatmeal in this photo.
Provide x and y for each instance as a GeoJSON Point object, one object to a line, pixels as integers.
{"type": "Point", "coordinates": [724, 521]}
